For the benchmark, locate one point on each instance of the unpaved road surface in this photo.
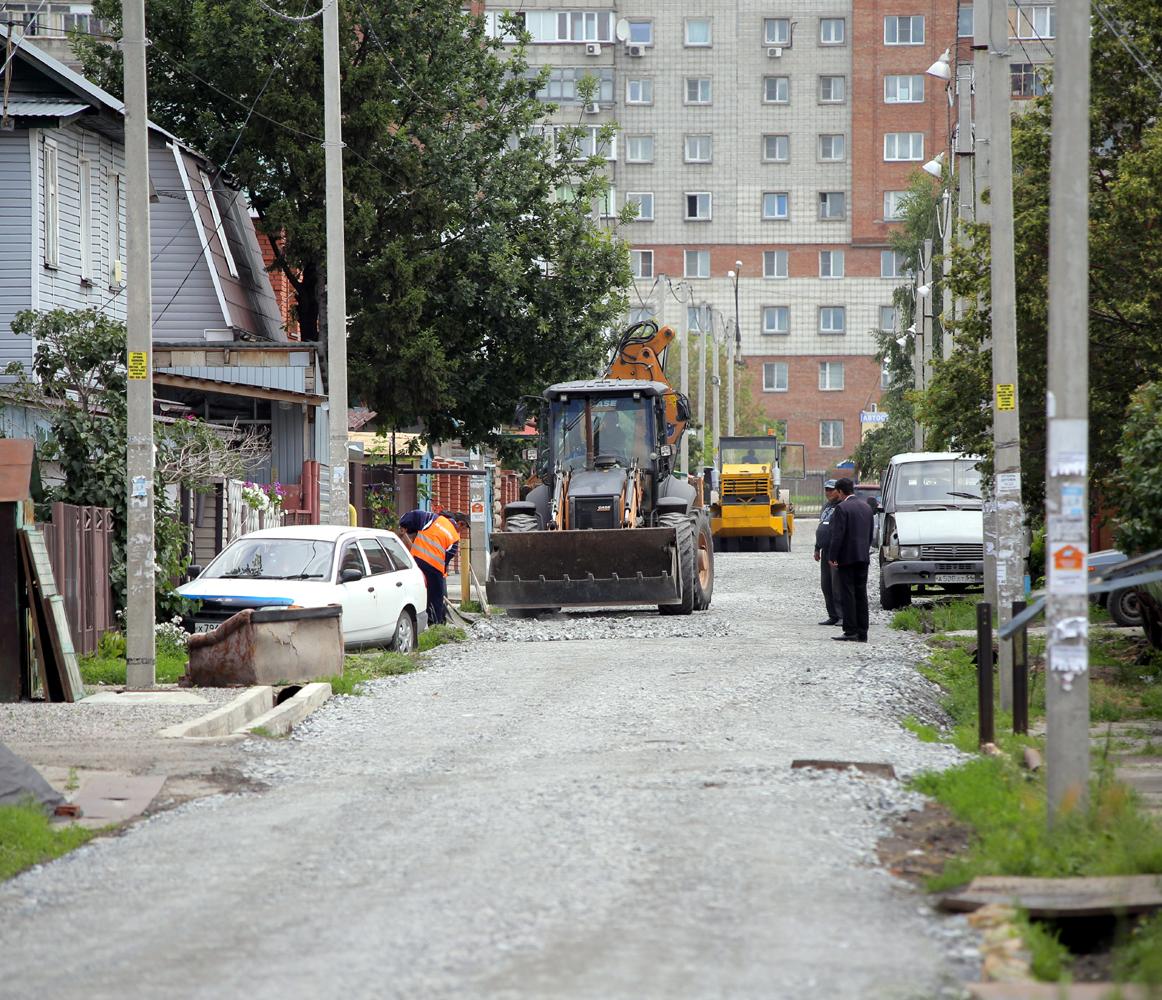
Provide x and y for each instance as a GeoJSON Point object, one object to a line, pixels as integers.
{"type": "Point", "coordinates": [587, 807]}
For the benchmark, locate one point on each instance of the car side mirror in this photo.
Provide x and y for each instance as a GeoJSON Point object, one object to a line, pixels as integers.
{"type": "Point", "coordinates": [193, 572]}
{"type": "Point", "coordinates": [350, 575]}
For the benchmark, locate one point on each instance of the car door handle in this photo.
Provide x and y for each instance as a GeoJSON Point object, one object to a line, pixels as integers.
{"type": "Point", "coordinates": [370, 590]}
{"type": "Point", "coordinates": [399, 583]}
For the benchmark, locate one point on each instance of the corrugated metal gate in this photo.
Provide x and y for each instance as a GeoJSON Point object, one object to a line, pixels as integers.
{"type": "Point", "coordinates": [79, 542]}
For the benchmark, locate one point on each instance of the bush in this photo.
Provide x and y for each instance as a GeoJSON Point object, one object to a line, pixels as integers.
{"type": "Point", "coordinates": [1136, 486]}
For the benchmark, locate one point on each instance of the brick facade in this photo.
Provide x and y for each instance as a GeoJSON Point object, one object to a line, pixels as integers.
{"type": "Point", "coordinates": [283, 291]}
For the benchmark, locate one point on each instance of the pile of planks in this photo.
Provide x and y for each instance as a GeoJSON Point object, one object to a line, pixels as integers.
{"type": "Point", "coordinates": [56, 658]}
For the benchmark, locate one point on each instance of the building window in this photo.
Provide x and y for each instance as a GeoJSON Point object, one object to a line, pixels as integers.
{"type": "Point", "coordinates": [561, 86]}
{"type": "Point", "coordinates": [697, 264]}
{"type": "Point", "coordinates": [553, 26]}
{"type": "Point", "coordinates": [644, 201]}
{"type": "Point", "coordinates": [904, 30]}
{"type": "Point", "coordinates": [903, 146]}
{"type": "Point", "coordinates": [776, 320]}
{"type": "Point", "coordinates": [641, 32]}
{"type": "Point", "coordinates": [776, 148]}
{"type": "Point", "coordinates": [776, 89]}
{"type": "Point", "coordinates": [641, 262]}
{"type": "Point", "coordinates": [964, 28]}
{"type": "Point", "coordinates": [699, 148]}
{"type": "Point", "coordinates": [1035, 22]}
{"type": "Point", "coordinates": [774, 263]}
{"type": "Point", "coordinates": [85, 177]}
{"type": "Point", "coordinates": [831, 30]}
{"type": "Point", "coordinates": [775, 376]}
{"type": "Point", "coordinates": [830, 433]}
{"type": "Point", "coordinates": [698, 31]}
{"type": "Point", "coordinates": [639, 149]}
{"type": "Point", "coordinates": [892, 265]}
{"type": "Point", "coordinates": [894, 205]}
{"type": "Point", "coordinates": [903, 89]}
{"type": "Point", "coordinates": [639, 91]}
{"type": "Point", "coordinates": [607, 203]}
{"type": "Point", "coordinates": [832, 205]}
{"type": "Point", "coordinates": [831, 263]}
{"type": "Point", "coordinates": [698, 90]}
{"type": "Point", "coordinates": [777, 31]}
{"type": "Point", "coordinates": [888, 319]}
{"type": "Point", "coordinates": [831, 148]}
{"type": "Point", "coordinates": [52, 209]}
{"type": "Point", "coordinates": [832, 320]}
{"type": "Point", "coordinates": [830, 375]}
{"type": "Point", "coordinates": [1026, 80]}
{"type": "Point", "coordinates": [832, 89]}
{"type": "Point", "coordinates": [697, 206]}
{"type": "Point", "coordinates": [776, 205]}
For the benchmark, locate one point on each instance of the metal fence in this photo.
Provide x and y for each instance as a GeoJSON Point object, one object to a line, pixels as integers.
{"type": "Point", "coordinates": [807, 493]}
{"type": "Point", "coordinates": [79, 542]}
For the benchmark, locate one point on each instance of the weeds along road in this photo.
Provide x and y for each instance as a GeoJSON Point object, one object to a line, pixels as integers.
{"type": "Point", "coordinates": [604, 817]}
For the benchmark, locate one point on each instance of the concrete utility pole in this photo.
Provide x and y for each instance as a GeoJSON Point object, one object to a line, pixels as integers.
{"type": "Point", "coordinates": [735, 276]}
{"type": "Point", "coordinates": [929, 310]}
{"type": "Point", "coordinates": [336, 269]}
{"type": "Point", "coordinates": [1010, 572]}
{"type": "Point", "coordinates": [140, 613]}
{"type": "Point", "coordinates": [717, 380]}
{"type": "Point", "coordinates": [703, 361]}
{"type": "Point", "coordinates": [1067, 409]}
{"type": "Point", "coordinates": [684, 450]}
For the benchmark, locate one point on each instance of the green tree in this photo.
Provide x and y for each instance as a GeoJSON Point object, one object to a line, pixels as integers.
{"type": "Point", "coordinates": [475, 270]}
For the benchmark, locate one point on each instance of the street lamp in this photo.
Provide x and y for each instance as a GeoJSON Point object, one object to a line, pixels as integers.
{"type": "Point", "coordinates": [935, 166]}
{"type": "Point", "coordinates": [730, 351]}
{"type": "Point", "coordinates": [942, 68]}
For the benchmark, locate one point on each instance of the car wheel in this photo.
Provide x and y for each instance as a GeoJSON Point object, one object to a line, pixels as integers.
{"type": "Point", "coordinates": [404, 639]}
{"type": "Point", "coordinates": [1125, 608]}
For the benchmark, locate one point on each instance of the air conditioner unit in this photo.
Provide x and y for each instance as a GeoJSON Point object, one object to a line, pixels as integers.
{"type": "Point", "coordinates": [593, 48]}
{"type": "Point", "coordinates": [637, 51]}
{"type": "Point", "coordinates": [775, 52]}
{"type": "Point", "coordinates": [592, 109]}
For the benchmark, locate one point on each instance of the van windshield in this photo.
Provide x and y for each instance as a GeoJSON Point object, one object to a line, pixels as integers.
{"type": "Point", "coordinates": [939, 483]}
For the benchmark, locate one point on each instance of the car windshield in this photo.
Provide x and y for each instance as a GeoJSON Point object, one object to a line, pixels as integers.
{"type": "Point", "coordinates": [616, 430]}
{"type": "Point", "coordinates": [939, 483]}
{"type": "Point", "coordinates": [753, 451]}
{"type": "Point", "coordinates": [273, 559]}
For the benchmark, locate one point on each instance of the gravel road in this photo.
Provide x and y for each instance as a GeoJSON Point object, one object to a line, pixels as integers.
{"type": "Point", "coordinates": [593, 806]}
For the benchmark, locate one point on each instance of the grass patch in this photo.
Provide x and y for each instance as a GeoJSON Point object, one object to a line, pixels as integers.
{"type": "Point", "coordinates": [472, 607]}
{"type": "Point", "coordinates": [922, 731]}
{"type": "Point", "coordinates": [107, 664]}
{"type": "Point", "coordinates": [939, 616]}
{"type": "Point", "coordinates": [438, 635]}
{"type": "Point", "coordinates": [1048, 957]}
{"type": "Point", "coordinates": [1139, 959]}
{"type": "Point", "coordinates": [27, 838]}
{"type": "Point", "coordinates": [269, 734]}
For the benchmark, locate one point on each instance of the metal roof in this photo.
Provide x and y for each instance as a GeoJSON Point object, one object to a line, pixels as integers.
{"type": "Point", "coordinates": [43, 107]}
{"type": "Point", "coordinates": [609, 385]}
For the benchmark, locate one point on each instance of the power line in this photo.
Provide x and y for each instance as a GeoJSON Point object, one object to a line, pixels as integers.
{"type": "Point", "coordinates": [292, 19]}
{"type": "Point", "coordinates": [23, 35]}
{"type": "Point", "coordinates": [1128, 44]}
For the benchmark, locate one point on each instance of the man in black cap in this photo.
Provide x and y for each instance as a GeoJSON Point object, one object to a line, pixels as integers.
{"type": "Point", "coordinates": [851, 533]}
{"type": "Point", "coordinates": [822, 538]}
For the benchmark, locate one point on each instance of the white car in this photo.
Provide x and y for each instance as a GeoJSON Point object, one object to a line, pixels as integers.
{"type": "Point", "coordinates": [367, 572]}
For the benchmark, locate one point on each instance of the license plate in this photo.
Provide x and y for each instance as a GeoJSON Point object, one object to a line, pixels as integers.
{"type": "Point", "coordinates": [956, 578]}
{"type": "Point", "coordinates": [204, 626]}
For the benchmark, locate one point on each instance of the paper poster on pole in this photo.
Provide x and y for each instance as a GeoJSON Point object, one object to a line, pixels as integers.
{"type": "Point", "coordinates": [1008, 482]}
{"type": "Point", "coordinates": [1067, 571]}
{"type": "Point", "coordinates": [138, 366]}
{"type": "Point", "coordinates": [1068, 447]}
{"type": "Point", "coordinates": [1068, 659]}
{"type": "Point", "coordinates": [1006, 396]}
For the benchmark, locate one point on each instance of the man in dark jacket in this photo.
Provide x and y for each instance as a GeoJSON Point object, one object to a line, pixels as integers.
{"type": "Point", "coordinates": [851, 534]}
{"type": "Point", "coordinates": [822, 539]}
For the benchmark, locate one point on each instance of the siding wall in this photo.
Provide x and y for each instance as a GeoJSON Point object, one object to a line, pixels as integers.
{"type": "Point", "coordinates": [15, 242]}
{"type": "Point", "coordinates": [286, 442]}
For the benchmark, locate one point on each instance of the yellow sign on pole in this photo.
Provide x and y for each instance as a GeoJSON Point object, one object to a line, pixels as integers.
{"type": "Point", "coordinates": [1006, 396]}
{"type": "Point", "coordinates": [138, 364]}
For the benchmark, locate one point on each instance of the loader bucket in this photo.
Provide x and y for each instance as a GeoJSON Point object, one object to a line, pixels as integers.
{"type": "Point", "coordinates": [599, 568]}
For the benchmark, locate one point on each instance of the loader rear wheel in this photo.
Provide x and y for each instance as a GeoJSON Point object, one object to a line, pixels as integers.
{"type": "Point", "coordinates": [704, 565]}
{"type": "Point", "coordinates": [687, 563]}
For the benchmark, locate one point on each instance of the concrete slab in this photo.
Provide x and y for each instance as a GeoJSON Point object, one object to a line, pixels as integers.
{"type": "Point", "coordinates": [144, 698]}
{"type": "Point", "coordinates": [234, 715]}
{"type": "Point", "coordinates": [115, 798]}
{"type": "Point", "coordinates": [281, 719]}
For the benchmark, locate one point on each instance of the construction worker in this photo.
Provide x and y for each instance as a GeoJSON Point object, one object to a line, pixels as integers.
{"type": "Point", "coordinates": [434, 541]}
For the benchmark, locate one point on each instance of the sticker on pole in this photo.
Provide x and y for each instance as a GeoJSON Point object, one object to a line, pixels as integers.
{"type": "Point", "coordinates": [1067, 662]}
{"type": "Point", "coordinates": [477, 510]}
{"type": "Point", "coordinates": [138, 365]}
{"type": "Point", "coordinates": [1008, 482]}
{"type": "Point", "coordinates": [1006, 396]}
{"type": "Point", "coordinates": [1067, 568]}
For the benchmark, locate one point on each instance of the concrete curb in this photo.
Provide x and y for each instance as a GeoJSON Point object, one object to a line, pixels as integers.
{"type": "Point", "coordinates": [229, 718]}
{"type": "Point", "coordinates": [279, 720]}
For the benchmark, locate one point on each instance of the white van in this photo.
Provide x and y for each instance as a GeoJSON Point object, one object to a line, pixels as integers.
{"type": "Point", "coordinates": [929, 526]}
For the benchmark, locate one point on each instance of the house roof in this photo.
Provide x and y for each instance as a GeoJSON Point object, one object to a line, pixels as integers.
{"type": "Point", "coordinates": [43, 107]}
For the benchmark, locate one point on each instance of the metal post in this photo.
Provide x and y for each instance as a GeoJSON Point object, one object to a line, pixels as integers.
{"type": "Point", "coordinates": [984, 673]}
{"type": "Point", "coordinates": [929, 311]}
{"type": "Point", "coordinates": [1067, 500]}
{"type": "Point", "coordinates": [140, 614]}
{"type": "Point", "coordinates": [336, 268]}
{"type": "Point", "coordinates": [704, 318]}
{"type": "Point", "coordinates": [684, 452]}
{"type": "Point", "coordinates": [1006, 401]}
{"type": "Point", "coordinates": [717, 381]}
{"type": "Point", "coordinates": [1020, 642]}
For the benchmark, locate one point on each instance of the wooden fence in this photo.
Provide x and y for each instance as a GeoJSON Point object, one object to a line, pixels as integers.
{"type": "Point", "coordinates": [79, 541]}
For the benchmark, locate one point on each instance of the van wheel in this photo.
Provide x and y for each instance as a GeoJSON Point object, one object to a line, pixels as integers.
{"type": "Point", "coordinates": [899, 596]}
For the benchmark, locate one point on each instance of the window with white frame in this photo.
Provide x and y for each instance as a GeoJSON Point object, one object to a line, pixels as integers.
{"type": "Point", "coordinates": [830, 376]}
{"type": "Point", "coordinates": [1026, 80]}
{"type": "Point", "coordinates": [85, 177]}
{"type": "Point", "coordinates": [832, 319]}
{"type": "Point", "coordinates": [1035, 22]}
{"type": "Point", "coordinates": [830, 433]}
{"type": "Point", "coordinates": [561, 86]}
{"type": "Point", "coordinates": [554, 25]}
{"type": "Point", "coordinates": [696, 264]}
{"type": "Point", "coordinates": [505, 24]}
{"type": "Point", "coordinates": [832, 205]}
{"type": "Point", "coordinates": [699, 149]}
{"type": "Point", "coordinates": [776, 89]}
{"type": "Point", "coordinates": [831, 263]}
{"type": "Point", "coordinates": [698, 31]}
{"type": "Point", "coordinates": [777, 31]}
{"type": "Point", "coordinates": [889, 319]}
{"type": "Point", "coordinates": [894, 205]}
{"type": "Point", "coordinates": [644, 203]}
{"type": "Point", "coordinates": [831, 148]}
{"type": "Point", "coordinates": [904, 89]}
{"type": "Point", "coordinates": [774, 263]}
{"type": "Point", "coordinates": [832, 31]}
{"type": "Point", "coordinates": [964, 21]}
{"type": "Point", "coordinates": [698, 90]}
{"type": "Point", "coordinates": [698, 206]}
{"type": "Point", "coordinates": [775, 376]}
{"type": "Point", "coordinates": [639, 149]}
{"type": "Point", "coordinates": [641, 262]}
{"type": "Point", "coordinates": [903, 146]}
{"type": "Point", "coordinates": [564, 193]}
{"type": "Point", "coordinates": [892, 265]}
{"type": "Point", "coordinates": [905, 30]}
{"type": "Point", "coordinates": [219, 229]}
{"type": "Point", "coordinates": [776, 205]}
{"type": "Point", "coordinates": [639, 91]}
{"type": "Point", "coordinates": [832, 89]}
{"type": "Point", "coordinates": [607, 203]}
{"type": "Point", "coordinates": [776, 320]}
{"type": "Point", "coordinates": [641, 32]}
{"type": "Point", "coordinates": [776, 148]}
{"type": "Point", "coordinates": [52, 209]}
{"type": "Point", "coordinates": [591, 143]}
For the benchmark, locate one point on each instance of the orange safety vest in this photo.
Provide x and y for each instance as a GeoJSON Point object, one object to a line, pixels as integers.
{"type": "Point", "coordinates": [433, 542]}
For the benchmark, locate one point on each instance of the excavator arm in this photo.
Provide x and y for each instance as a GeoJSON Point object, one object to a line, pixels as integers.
{"type": "Point", "coordinates": [641, 354]}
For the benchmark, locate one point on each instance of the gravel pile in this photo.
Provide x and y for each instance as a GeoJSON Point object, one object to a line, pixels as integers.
{"type": "Point", "coordinates": [578, 625]}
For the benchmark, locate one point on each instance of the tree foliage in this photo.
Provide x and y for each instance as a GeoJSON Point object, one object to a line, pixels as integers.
{"type": "Point", "coordinates": [475, 272]}
{"type": "Point", "coordinates": [1137, 484]}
